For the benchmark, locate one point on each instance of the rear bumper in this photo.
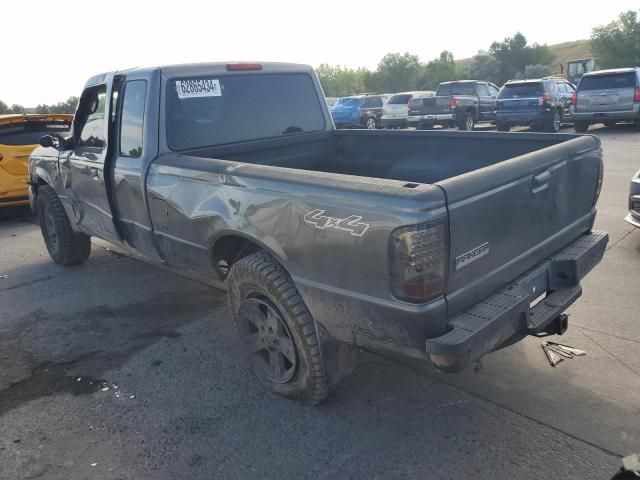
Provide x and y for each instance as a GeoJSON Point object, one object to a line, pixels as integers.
{"type": "Point", "coordinates": [393, 121]}
{"type": "Point", "coordinates": [595, 117]}
{"type": "Point", "coordinates": [522, 118]}
{"type": "Point", "coordinates": [633, 217]}
{"type": "Point", "coordinates": [509, 313]}
{"type": "Point", "coordinates": [430, 118]}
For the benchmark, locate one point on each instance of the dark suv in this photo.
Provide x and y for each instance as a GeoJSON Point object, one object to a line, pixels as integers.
{"type": "Point", "coordinates": [541, 104]}
{"type": "Point", "coordinates": [358, 111]}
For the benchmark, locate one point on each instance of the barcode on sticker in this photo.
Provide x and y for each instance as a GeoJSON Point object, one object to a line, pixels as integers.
{"type": "Point", "coordinates": [207, 87]}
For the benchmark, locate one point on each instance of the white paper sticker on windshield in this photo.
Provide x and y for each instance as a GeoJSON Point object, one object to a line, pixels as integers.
{"type": "Point", "coordinates": [204, 87]}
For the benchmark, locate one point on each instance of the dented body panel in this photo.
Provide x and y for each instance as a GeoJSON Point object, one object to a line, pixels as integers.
{"type": "Point", "coordinates": [328, 205]}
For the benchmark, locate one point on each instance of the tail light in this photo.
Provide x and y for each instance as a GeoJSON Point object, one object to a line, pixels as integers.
{"type": "Point", "coordinates": [636, 95]}
{"type": "Point", "coordinates": [418, 261]}
{"type": "Point", "coordinates": [544, 99]}
{"type": "Point", "coordinates": [453, 102]}
{"type": "Point", "coordinates": [574, 98]}
{"type": "Point", "coordinates": [243, 66]}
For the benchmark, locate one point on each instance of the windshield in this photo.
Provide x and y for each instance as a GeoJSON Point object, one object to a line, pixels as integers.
{"type": "Point", "coordinates": [402, 98]}
{"type": "Point", "coordinates": [348, 102]}
{"type": "Point", "coordinates": [29, 133]}
{"type": "Point", "coordinates": [235, 108]}
{"type": "Point", "coordinates": [519, 90]}
{"type": "Point", "coordinates": [614, 80]}
{"type": "Point", "coordinates": [462, 88]}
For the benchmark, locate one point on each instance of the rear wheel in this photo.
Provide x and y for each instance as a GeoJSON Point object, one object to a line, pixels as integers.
{"type": "Point", "coordinates": [581, 126]}
{"type": "Point", "coordinates": [468, 122]}
{"type": "Point", "coordinates": [553, 125]}
{"type": "Point", "coordinates": [277, 330]}
{"type": "Point", "coordinates": [610, 124]}
{"type": "Point", "coordinates": [65, 246]}
{"type": "Point", "coordinates": [503, 127]}
{"type": "Point", "coordinates": [370, 123]}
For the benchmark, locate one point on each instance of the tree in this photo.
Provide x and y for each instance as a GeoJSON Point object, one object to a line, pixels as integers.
{"type": "Point", "coordinates": [534, 71]}
{"type": "Point", "coordinates": [396, 72]}
{"type": "Point", "coordinates": [513, 55]}
{"type": "Point", "coordinates": [15, 108]}
{"type": "Point", "coordinates": [618, 43]}
{"type": "Point", "coordinates": [339, 81]}
{"type": "Point", "coordinates": [485, 66]}
{"type": "Point", "coordinates": [439, 70]}
{"type": "Point", "coordinates": [4, 108]}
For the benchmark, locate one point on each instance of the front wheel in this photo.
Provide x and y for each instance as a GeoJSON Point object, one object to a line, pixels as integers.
{"type": "Point", "coordinates": [277, 330]}
{"type": "Point", "coordinates": [371, 123]}
{"type": "Point", "coordinates": [65, 246]}
{"type": "Point", "coordinates": [581, 126]}
{"type": "Point", "coordinates": [503, 127]}
{"type": "Point", "coordinates": [468, 123]}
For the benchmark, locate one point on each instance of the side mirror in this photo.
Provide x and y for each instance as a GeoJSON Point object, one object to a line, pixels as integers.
{"type": "Point", "coordinates": [46, 141]}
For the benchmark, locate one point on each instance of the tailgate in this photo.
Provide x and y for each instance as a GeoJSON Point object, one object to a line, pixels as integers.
{"type": "Point", "coordinates": [435, 105]}
{"type": "Point", "coordinates": [506, 218]}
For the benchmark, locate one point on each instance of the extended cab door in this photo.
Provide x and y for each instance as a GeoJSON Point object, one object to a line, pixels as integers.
{"type": "Point", "coordinates": [135, 144]}
{"type": "Point", "coordinates": [487, 102]}
{"type": "Point", "coordinates": [83, 167]}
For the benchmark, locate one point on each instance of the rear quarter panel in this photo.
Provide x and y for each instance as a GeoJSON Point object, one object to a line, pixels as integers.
{"type": "Point", "coordinates": [293, 214]}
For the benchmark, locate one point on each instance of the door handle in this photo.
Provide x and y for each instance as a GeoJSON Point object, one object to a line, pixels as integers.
{"type": "Point", "coordinates": [541, 181]}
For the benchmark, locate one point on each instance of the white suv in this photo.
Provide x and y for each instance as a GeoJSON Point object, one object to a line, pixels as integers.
{"type": "Point", "coordinates": [396, 109]}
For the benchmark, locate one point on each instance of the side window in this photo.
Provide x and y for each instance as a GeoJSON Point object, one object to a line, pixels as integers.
{"type": "Point", "coordinates": [92, 117]}
{"type": "Point", "coordinates": [377, 102]}
{"type": "Point", "coordinates": [483, 91]}
{"type": "Point", "coordinates": [493, 91]}
{"type": "Point", "coordinates": [570, 88]}
{"type": "Point", "coordinates": [132, 119]}
{"type": "Point", "coordinates": [367, 103]}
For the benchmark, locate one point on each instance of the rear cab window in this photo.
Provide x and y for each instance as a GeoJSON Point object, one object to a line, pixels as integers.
{"type": "Point", "coordinates": [521, 90]}
{"type": "Point", "coordinates": [456, 88]}
{"type": "Point", "coordinates": [608, 81]}
{"type": "Point", "coordinates": [132, 122]}
{"type": "Point", "coordinates": [400, 99]}
{"type": "Point", "coordinates": [232, 108]}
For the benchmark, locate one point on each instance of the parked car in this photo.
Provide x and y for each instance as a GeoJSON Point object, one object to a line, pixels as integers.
{"type": "Point", "coordinates": [358, 111]}
{"type": "Point", "coordinates": [607, 96]}
{"type": "Point", "coordinates": [463, 103]}
{"type": "Point", "coordinates": [540, 104]}
{"type": "Point", "coordinates": [432, 245]}
{"type": "Point", "coordinates": [396, 109]}
{"type": "Point", "coordinates": [19, 135]}
{"type": "Point", "coordinates": [331, 101]}
{"type": "Point", "coordinates": [633, 217]}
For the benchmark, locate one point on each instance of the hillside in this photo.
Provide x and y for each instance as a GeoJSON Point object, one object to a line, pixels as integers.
{"type": "Point", "coordinates": [562, 51]}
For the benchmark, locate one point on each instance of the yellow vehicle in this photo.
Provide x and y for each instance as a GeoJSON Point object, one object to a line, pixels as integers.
{"type": "Point", "coordinates": [19, 135]}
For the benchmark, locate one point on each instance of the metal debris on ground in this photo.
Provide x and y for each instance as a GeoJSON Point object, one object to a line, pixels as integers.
{"type": "Point", "coordinates": [556, 352]}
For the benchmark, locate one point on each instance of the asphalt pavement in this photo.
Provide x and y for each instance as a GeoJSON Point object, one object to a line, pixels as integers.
{"type": "Point", "coordinates": [117, 369]}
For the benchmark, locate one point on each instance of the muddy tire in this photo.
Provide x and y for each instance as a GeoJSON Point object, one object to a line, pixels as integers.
{"type": "Point", "coordinates": [277, 330]}
{"type": "Point", "coordinates": [65, 246]}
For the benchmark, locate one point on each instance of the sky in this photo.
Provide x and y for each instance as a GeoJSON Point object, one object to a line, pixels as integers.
{"type": "Point", "coordinates": [52, 48]}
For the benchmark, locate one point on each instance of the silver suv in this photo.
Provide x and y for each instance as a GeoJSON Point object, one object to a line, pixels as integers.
{"type": "Point", "coordinates": [607, 96]}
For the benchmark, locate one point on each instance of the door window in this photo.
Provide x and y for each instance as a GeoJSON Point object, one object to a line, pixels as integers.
{"type": "Point", "coordinates": [493, 91]}
{"type": "Point", "coordinates": [92, 119]}
{"type": "Point", "coordinates": [132, 123]}
{"type": "Point", "coordinates": [483, 91]}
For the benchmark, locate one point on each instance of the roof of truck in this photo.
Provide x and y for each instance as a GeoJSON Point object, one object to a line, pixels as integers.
{"type": "Point", "coordinates": [612, 70]}
{"type": "Point", "coordinates": [208, 68]}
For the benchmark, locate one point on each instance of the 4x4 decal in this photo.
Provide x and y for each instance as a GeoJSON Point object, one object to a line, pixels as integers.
{"type": "Point", "coordinates": [351, 224]}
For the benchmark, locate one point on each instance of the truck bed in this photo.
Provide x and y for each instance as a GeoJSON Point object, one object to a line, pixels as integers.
{"type": "Point", "coordinates": [518, 197]}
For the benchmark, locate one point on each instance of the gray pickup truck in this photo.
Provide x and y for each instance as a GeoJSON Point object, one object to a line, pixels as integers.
{"type": "Point", "coordinates": [441, 246]}
{"type": "Point", "coordinates": [463, 103]}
